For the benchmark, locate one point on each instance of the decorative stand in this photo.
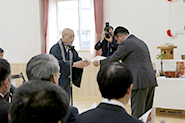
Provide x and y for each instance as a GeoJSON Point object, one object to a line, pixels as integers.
{"type": "Point", "coordinates": [168, 51]}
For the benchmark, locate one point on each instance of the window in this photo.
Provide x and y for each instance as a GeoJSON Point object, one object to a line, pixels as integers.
{"type": "Point", "coordinates": [77, 15]}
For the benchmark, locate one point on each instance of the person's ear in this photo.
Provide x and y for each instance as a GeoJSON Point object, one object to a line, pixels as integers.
{"type": "Point", "coordinates": [63, 36]}
{"type": "Point", "coordinates": [129, 90]}
{"type": "Point", "coordinates": [9, 116]}
{"type": "Point", "coordinates": [115, 38]}
{"type": "Point", "coordinates": [54, 81]}
{"type": "Point", "coordinates": [6, 82]}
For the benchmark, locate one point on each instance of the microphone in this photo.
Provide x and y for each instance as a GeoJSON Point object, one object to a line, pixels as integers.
{"type": "Point", "coordinates": [70, 46]}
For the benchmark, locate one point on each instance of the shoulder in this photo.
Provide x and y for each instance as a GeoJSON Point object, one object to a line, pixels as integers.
{"type": "Point", "coordinates": [55, 46]}
{"type": "Point", "coordinates": [71, 115]}
{"type": "Point", "coordinates": [73, 109]}
{"type": "Point", "coordinates": [4, 105]}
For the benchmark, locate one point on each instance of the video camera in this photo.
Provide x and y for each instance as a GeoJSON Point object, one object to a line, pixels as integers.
{"type": "Point", "coordinates": [107, 27]}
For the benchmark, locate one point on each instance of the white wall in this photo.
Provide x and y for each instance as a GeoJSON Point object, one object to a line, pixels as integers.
{"type": "Point", "coordinates": [20, 35]}
{"type": "Point", "coordinates": [149, 20]}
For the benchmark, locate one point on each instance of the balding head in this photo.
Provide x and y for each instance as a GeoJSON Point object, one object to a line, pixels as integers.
{"type": "Point", "coordinates": [68, 36]}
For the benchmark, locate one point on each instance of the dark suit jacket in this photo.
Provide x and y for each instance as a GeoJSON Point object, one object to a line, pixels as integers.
{"type": "Point", "coordinates": [65, 66]}
{"type": "Point", "coordinates": [4, 108]}
{"type": "Point", "coordinates": [135, 54]}
{"type": "Point", "coordinates": [71, 115]}
{"type": "Point", "coordinates": [103, 45]}
{"type": "Point", "coordinates": [106, 113]}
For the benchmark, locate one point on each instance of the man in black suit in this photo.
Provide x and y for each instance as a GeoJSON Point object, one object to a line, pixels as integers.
{"type": "Point", "coordinates": [61, 51]}
{"type": "Point", "coordinates": [107, 44]}
{"type": "Point", "coordinates": [45, 67]}
{"type": "Point", "coordinates": [115, 84]}
{"type": "Point", "coordinates": [38, 101]}
{"type": "Point", "coordinates": [135, 54]}
{"type": "Point", "coordinates": [5, 84]}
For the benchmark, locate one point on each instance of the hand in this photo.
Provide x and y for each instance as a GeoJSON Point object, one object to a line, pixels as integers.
{"type": "Point", "coordinates": [96, 64]}
{"type": "Point", "coordinates": [149, 119]}
{"type": "Point", "coordinates": [102, 37]}
{"type": "Point", "coordinates": [109, 39]}
{"type": "Point", "coordinates": [86, 62]}
{"type": "Point", "coordinates": [79, 64]}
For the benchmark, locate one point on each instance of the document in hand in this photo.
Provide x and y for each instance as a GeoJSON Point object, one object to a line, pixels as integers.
{"type": "Point", "coordinates": [148, 116]}
{"type": "Point", "coordinates": [98, 58]}
{"type": "Point", "coordinates": [95, 58]}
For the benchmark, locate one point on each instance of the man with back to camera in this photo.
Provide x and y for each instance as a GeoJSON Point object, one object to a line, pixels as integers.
{"type": "Point", "coordinates": [5, 84]}
{"type": "Point", "coordinates": [107, 42]}
{"type": "Point", "coordinates": [135, 54]}
{"type": "Point", "coordinates": [45, 67]}
{"type": "Point", "coordinates": [115, 85]}
{"type": "Point", "coordinates": [38, 101]}
{"type": "Point", "coordinates": [60, 51]}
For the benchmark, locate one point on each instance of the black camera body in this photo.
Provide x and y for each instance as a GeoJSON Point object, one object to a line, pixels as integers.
{"type": "Point", "coordinates": [107, 27]}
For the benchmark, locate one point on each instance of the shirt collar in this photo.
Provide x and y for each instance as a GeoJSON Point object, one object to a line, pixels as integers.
{"type": "Point", "coordinates": [1, 95]}
{"type": "Point", "coordinates": [127, 37]}
{"type": "Point", "coordinates": [113, 102]}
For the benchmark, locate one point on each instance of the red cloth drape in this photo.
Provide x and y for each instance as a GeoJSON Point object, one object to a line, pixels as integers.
{"type": "Point", "coordinates": [98, 15]}
{"type": "Point", "coordinates": [44, 13]}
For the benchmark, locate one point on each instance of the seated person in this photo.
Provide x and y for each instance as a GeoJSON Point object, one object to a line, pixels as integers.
{"type": "Point", "coordinates": [5, 84]}
{"type": "Point", "coordinates": [38, 102]}
{"type": "Point", "coordinates": [115, 84]}
{"type": "Point", "coordinates": [46, 67]}
{"type": "Point", "coordinates": [1, 53]}
{"type": "Point", "coordinates": [12, 87]}
{"type": "Point", "coordinates": [107, 44]}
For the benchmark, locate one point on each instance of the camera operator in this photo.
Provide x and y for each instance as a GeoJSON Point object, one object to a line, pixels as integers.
{"type": "Point", "coordinates": [107, 42]}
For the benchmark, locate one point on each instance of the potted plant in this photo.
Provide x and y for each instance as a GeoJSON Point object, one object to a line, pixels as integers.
{"type": "Point", "coordinates": [161, 56]}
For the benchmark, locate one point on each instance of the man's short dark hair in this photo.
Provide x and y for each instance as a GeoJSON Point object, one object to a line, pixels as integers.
{"type": "Point", "coordinates": [42, 67]}
{"type": "Point", "coordinates": [120, 30]}
{"type": "Point", "coordinates": [114, 79]}
{"type": "Point", "coordinates": [4, 69]}
{"type": "Point", "coordinates": [1, 50]}
{"type": "Point", "coordinates": [39, 102]}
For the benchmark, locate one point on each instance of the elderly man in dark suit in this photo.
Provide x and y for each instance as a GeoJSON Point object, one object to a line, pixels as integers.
{"type": "Point", "coordinates": [5, 84]}
{"type": "Point", "coordinates": [135, 54]}
{"type": "Point", "coordinates": [61, 51]}
{"type": "Point", "coordinates": [115, 84]}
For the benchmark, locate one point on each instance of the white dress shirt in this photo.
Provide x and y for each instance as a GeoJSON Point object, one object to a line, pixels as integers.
{"type": "Point", "coordinates": [113, 102]}
{"type": "Point", "coordinates": [1, 95]}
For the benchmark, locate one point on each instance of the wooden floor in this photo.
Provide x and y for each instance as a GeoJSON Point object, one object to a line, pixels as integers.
{"type": "Point", "coordinates": [83, 103]}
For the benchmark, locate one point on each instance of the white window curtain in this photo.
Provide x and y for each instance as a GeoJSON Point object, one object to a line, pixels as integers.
{"type": "Point", "coordinates": [52, 24]}
{"type": "Point", "coordinates": [52, 33]}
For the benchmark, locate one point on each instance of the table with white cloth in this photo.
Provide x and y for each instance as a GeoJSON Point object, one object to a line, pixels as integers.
{"type": "Point", "coordinates": [170, 93]}
{"type": "Point", "coordinates": [168, 65]}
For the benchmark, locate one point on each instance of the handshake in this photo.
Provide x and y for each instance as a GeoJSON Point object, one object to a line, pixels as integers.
{"type": "Point", "coordinates": [95, 60]}
{"type": "Point", "coordinates": [81, 64]}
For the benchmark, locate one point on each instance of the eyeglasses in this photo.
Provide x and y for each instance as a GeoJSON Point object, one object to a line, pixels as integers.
{"type": "Point", "coordinates": [58, 74]}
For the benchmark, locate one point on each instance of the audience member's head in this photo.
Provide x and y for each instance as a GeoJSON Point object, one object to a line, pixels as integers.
{"type": "Point", "coordinates": [114, 80]}
{"type": "Point", "coordinates": [1, 53]}
{"type": "Point", "coordinates": [39, 102]}
{"type": "Point", "coordinates": [68, 36]}
{"type": "Point", "coordinates": [5, 77]}
{"type": "Point", "coordinates": [43, 67]}
{"type": "Point", "coordinates": [121, 33]}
